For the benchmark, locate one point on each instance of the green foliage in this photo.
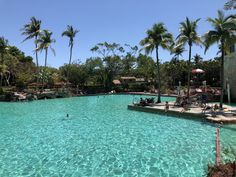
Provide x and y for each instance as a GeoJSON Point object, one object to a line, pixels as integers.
{"type": "Point", "coordinates": [145, 67]}
{"type": "Point", "coordinates": [77, 73]}
{"type": "Point", "coordinates": [20, 83]}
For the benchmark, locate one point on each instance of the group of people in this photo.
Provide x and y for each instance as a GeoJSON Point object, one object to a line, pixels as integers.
{"type": "Point", "coordinates": [146, 101]}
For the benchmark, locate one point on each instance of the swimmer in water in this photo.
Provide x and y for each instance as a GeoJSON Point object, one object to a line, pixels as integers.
{"type": "Point", "coordinates": [67, 115]}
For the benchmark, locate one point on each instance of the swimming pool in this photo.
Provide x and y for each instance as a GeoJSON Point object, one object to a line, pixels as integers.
{"type": "Point", "coordinates": [100, 138]}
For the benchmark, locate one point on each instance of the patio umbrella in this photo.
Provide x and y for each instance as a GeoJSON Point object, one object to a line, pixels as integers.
{"type": "Point", "coordinates": [196, 71]}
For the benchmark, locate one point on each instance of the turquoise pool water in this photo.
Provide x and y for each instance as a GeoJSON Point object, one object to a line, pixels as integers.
{"type": "Point", "coordinates": [228, 143]}
{"type": "Point", "coordinates": [100, 138]}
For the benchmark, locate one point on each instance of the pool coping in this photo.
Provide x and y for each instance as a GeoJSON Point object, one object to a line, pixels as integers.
{"type": "Point", "coordinates": [186, 115]}
{"type": "Point", "coordinates": [150, 109]}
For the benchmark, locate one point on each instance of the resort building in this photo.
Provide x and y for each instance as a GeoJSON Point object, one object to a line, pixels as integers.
{"type": "Point", "coordinates": [230, 71]}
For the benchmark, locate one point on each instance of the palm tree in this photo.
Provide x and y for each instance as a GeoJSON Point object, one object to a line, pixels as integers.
{"type": "Point", "coordinates": [197, 59]}
{"type": "Point", "coordinates": [70, 32]}
{"type": "Point", "coordinates": [44, 42]}
{"type": "Point", "coordinates": [177, 51]}
{"type": "Point", "coordinates": [188, 35]}
{"type": "Point", "coordinates": [157, 37]}
{"type": "Point", "coordinates": [32, 30]}
{"type": "Point", "coordinates": [223, 34]}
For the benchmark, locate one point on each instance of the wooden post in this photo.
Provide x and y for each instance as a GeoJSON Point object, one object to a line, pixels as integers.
{"type": "Point", "coordinates": [218, 156]}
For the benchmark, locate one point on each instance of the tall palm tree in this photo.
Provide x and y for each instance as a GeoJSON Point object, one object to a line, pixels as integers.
{"type": "Point", "coordinates": [188, 35]}
{"type": "Point", "coordinates": [223, 34]}
{"type": "Point", "coordinates": [44, 42]}
{"type": "Point", "coordinates": [157, 37]}
{"type": "Point", "coordinates": [32, 30]}
{"type": "Point", "coordinates": [70, 32]}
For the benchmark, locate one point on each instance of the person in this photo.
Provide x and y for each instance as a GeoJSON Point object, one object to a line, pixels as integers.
{"type": "Point", "coordinates": [167, 106]}
{"type": "Point", "coordinates": [67, 115]}
{"type": "Point", "coordinates": [216, 107]}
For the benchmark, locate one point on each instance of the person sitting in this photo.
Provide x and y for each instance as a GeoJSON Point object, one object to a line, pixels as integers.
{"type": "Point", "coordinates": [149, 100]}
{"type": "Point", "coordinates": [214, 109]}
{"type": "Point", "coordinates": [167, 106]}
{"type": "Point", "coordinates": [142, 102]}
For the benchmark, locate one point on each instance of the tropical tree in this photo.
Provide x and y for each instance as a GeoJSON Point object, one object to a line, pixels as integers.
{"type": "Point", "coordinates": [177, 51]}
{"type": "Point", "coordinates": [129, 60]}
{"type": "Point", "coordinates": [197, 60]}
{"type": "Point", "coordinates": [70, 32]}
{"type": "Point", "coordinates": [44, 42]}
{"type": "Point", "coordinates": [3, 48]}
{"type": "Point", "coordinates": [223, 34]}
{"type": "Point", "coordinates": [4, 73]}
{"type": "Point", "coordinates": [188, 35]}
{"type": "Point", "coordinates": [111, 55]}
{"type": "Point", "coordinates": [32, 30]}
{"type": "Point", "coordinates": [106, 49]}
{"type": "Point", "coordinates": [145, 67]}
{"type": "Point", "coordinates": [157, 37]}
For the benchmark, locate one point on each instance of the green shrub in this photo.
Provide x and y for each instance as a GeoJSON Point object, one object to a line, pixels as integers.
{"type": "Point", "coordinates": [20, 84]}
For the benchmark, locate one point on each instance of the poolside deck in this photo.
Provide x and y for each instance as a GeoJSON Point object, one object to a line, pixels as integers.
{"type": "Point", "coordinates": [226, 116]}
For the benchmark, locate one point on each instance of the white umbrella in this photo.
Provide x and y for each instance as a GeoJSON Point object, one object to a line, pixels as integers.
{"type": "Point", "coordinates": [196, 71]}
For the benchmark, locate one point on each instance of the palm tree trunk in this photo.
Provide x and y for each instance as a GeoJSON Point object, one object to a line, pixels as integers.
{"type": "Point", "coordinates": [222, 74]}
{"type": "Point", "coordinates": [46, 57]}
{"type": "Point", "coordinates": [45, 64]}
{"type": "Point", "coordinates": [36, 52]}
{"type": "Point", "coordinates": [68, 68]}
{"type": "Point", "coordinates": [189, 69]}
{"type": "Point", "coordinates": [71, 47]}
{"type": "Point", "coordinates": [159, 77]}
{"type": "Point", "coordinates": [37, 62]}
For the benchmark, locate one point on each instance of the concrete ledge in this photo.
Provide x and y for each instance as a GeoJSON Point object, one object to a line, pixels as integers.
{"type": "Point", "coordinates": [193, 114]}
{"type": "Point", "coordinates": [156, 110]}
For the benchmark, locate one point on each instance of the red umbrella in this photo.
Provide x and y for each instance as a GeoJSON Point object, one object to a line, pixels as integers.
{"type": "Point", "coordinates": [196, 71]}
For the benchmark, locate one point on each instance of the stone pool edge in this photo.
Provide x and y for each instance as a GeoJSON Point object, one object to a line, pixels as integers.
{"type": "Point", "coordinates": [185, 115]}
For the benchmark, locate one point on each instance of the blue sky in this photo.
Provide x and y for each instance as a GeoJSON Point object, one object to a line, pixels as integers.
{"type": "Point", "coordinates": [120, 21]}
